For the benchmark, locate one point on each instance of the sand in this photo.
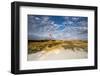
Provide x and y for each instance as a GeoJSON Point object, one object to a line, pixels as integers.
{"type": "Point", "coordinates": [58, 54]}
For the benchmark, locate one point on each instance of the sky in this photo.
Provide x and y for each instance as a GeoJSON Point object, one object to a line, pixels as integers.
{"type": "Point", "coordinates": [44, 27]}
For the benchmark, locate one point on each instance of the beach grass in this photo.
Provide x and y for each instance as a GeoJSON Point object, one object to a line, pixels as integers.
{"type": "Point", "coordinates": [49, 45]}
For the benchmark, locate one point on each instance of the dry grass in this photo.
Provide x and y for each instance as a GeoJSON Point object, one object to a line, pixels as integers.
{"type": "Point", "coordinates": [49, 45]}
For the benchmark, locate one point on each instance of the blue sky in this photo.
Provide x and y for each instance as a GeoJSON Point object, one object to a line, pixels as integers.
{"type": "Point", "coordinates": [57, 27]}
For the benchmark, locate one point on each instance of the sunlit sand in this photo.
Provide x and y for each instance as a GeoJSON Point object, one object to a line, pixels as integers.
{"type": "Point", "coordinates": [58, 54]}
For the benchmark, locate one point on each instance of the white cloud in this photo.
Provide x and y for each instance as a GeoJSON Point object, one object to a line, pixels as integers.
{"type": "Point", "coordinates": [83, 23]}
{"type": "Point", "coordinates": [75, 18]}
{"type": "Point", "coordinates": [43, 27]}
{"type": "Point", "coordinates": [37, 18]}
{"type": "Point", "coordinates": [66, 18]}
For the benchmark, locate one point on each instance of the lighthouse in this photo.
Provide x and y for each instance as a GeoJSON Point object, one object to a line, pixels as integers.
{"type": "Point", "coordinates": [50, 35]}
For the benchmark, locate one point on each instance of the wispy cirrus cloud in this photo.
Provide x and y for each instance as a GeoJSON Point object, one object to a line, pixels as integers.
{"type": "Point", "coordinates": [57, 27]}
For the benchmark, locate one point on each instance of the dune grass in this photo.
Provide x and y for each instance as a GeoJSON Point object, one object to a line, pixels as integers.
{"type": "Point", "coordinates": [49, 45]}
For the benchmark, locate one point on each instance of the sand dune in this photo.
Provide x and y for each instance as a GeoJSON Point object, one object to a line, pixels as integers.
{"type": "Point", "coordinates": [58, 54]}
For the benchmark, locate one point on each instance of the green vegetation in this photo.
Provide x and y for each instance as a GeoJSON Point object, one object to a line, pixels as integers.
{"type": "Point", "coordinates": [48, 45]}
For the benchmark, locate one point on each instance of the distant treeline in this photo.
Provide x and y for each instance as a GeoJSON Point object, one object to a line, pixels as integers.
{"type": "Point", "coordinates": [55, 40]}
{"type": "Point", "coordinates": [39, 40]}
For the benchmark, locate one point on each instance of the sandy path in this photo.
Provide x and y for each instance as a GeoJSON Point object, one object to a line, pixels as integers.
{"type": "Point", "coordinates": [58, 54]}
